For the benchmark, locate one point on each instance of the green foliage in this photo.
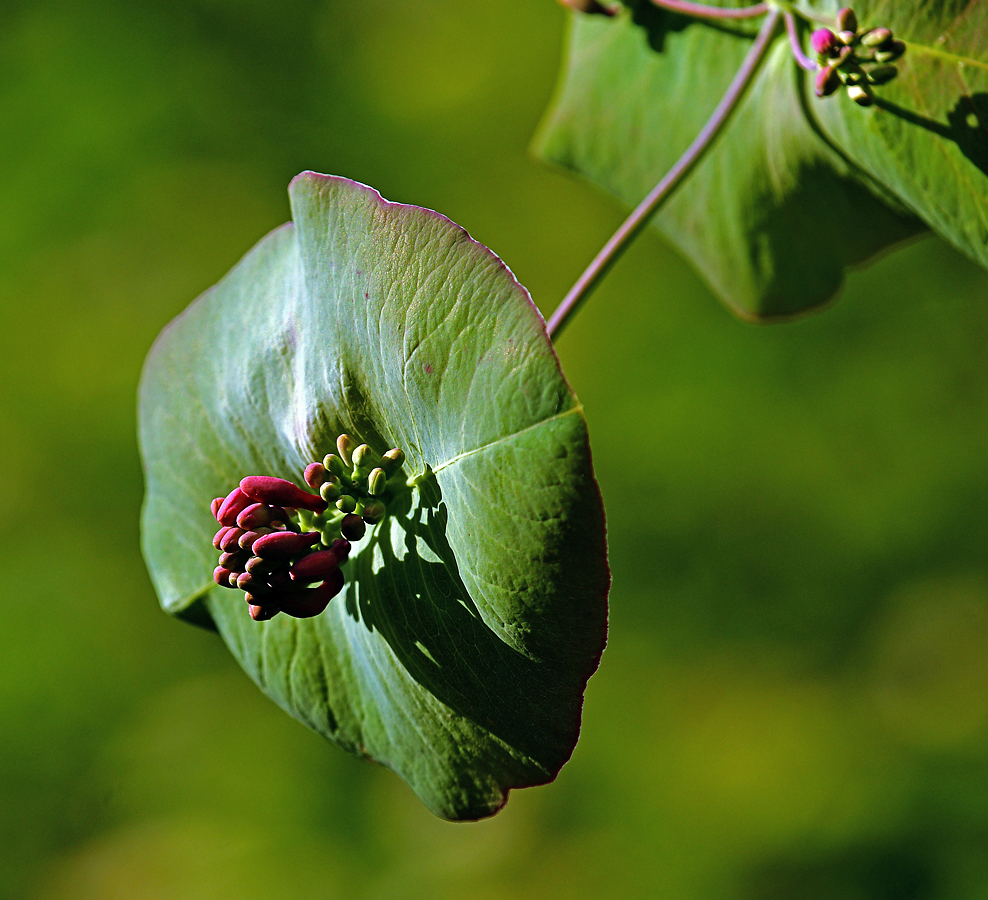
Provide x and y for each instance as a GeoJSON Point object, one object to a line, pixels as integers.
{"type": "Point", "coordinates": [799, 188]}
{"type": "Point", "coordinates": [475, 613]}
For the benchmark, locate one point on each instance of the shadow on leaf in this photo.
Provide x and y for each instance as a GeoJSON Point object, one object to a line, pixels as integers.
{"type": "Point", "coordinates": [408, 589]}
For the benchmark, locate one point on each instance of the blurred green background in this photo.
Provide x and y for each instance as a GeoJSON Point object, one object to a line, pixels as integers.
{"type": "Point", "coordinates": [794, 700]}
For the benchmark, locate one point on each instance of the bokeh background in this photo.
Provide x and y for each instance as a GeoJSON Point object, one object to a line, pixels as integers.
{"type": "Point", "coordinates": [794, 701]}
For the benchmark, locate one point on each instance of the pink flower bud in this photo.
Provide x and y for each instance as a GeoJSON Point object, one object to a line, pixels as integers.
{"type": "Point", "coordinates": [222, 576]}
{"type": "Point", "coordinates": [231, 540]}
{"type": "Point", "coordinates": [235, 562]}
{"type": "Point", "coordinates": [319, 565]}
{"type": "Point", "coordinates": [262, 613]}
{"type": "Point", "coordinates": [827, 81]}
{"type": "Point", "coordinates": [251, 584]}
{"type": "Point", "coordinates": [258, 515]}
{"type": "Point", "coordinates": [825, 42]}
{"type": "Point", "coordinates": [315, 475]}
{"type": "Point", "coordinates": [218, 537]}
{"type": "Point", "coordinates": [278, 492]}
{"type": "Point", "coordinates": [306, 603]}
{"type": "Point", "coordinates": [214, 507]}
{"type": "Point", "coordinates": [246, 541]}
{"type": "Point", "coordinates": [284, 544]}
{"type": "Point", "coordinates": [236, 501]}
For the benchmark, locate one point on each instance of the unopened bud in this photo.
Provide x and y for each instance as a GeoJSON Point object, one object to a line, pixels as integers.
{"type": "Point", "coordinates": [278, 492]}
{"type": "Point", "coordinates": [214, 507]}
{"type": "Point", "coordinates": [247, 539]}
{"type": "Point", "coordinates": [221, 576]}
{"type": "Point", "coordinates": [319, 565]}
{"type": "Point", "coordinates": [892, 52]}
{"type": "Point", "coordinates": [251, 584]}
{"type": "Point", "coordinates": [825, 42]}
{"type": "Point", "coordinates": [377, 481]}
{"type": "Point", "coordinates": [393, 460]}
{"type": "Point", "coordinates": [374, 512]}
{"type": "Point", "coordinates": [855, 76]}
{"type": "Point", "coordinates": [882, 74]}
{"type": "Point", "coordinates": [218, 537]}
{"type": "Point", "coordinates": [847, 20]}
{"type": "Point", "coordinates": [315, 474]}
{"type": "Point", "coordinates": [284, 544]}
{"type": "Point", "coordinates": [860, 95]}
{"type": "Point", "coordinates": [362, 456]}
{"type": "Point", "coordinates": [257, 566]}
{"type": "Point", "coordinates": [847, 37]}
{"type": "Point", "coordinates": [331, 489]}
{"type": "Point", "coordinates": [353, 528]}
{"type": "Point", "coordinates": [234, 504]}
{"type": "Point", "coordinates": [231, 540]}
{"type": "Point", "coordinates": [877, 37]}
{"type": "Point", "coordinates": [827, 81]}
{"type": "Point", "coordinates": [309, 602]}
{"type": "Point", "coordinates": [259, 515]}
{"type": "Point", "coordinates": [333, 464]}
{"type": "Point", "coordinates": [346, 504]}
{"type": "Point", "coordinates": [262, 613]}
{"type": "Point", "coordinates": [234, 560]}
{"type": "Point", "coordinates": [345, 445]}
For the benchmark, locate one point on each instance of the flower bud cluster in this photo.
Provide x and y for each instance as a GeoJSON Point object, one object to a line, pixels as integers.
{"type": "Point", "coordinates": [357, 484]}
{"type": "Point", "coordinates": [855, 59]}
{"type": "Point", "coordinates": [264, 553]}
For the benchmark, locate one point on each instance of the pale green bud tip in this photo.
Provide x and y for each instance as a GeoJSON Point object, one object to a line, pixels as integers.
{"type": "Point", "coordinates": [860, 95]}
{"type": "Point", "coordinates": [847, 37]}
{"type": "Point", "coordinates": [394, 459]}
{"type": "Point", "coordinates": [331, 489]}
{"type": "Point", "coordinates": [333, 464]}
{"type": "Point", "coordinates": [877, 37]}
{"type": "Point", "coordinates": [346, 504]}
{"type": "Point", "coordinates": [345, 445]}
{"type": "Point", "coordinates": [377, 481]}
{"type": "Point", "coordinates": [847, 20]}
{"type": "Point", "coordinates": [362, 455]}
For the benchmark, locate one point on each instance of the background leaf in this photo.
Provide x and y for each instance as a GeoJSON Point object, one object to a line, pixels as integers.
{"type": "Point", "coordinates": [926, 138]}
{"type": "Point", "coordinates": [475, 613]}
{"type": "Point", "coordinates": [759, 217]}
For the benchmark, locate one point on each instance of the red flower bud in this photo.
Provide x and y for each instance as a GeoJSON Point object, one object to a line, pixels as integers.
{"type": "Point", "coordinates": [218, 537]}
{"type": "Point", "coordinates": [319, 565]}
{"type": "Point", "coordinates": [235, 561]}
{"type": "Point", "coordinates": [278, 492]}
{"type": "Point", "coordinates": [236, 501]}
{"type": "Point", "coordinates": [251, 584]}
{"type": "Point", "coordinates": [247, 539]}
{"type": "Point", "coordinates": [309, 602]}
{"type": "Point", "coordinates": [222, 576]}
{"type": "Point", "coordinates": [257, 566]}
{"type": "Point", "coordinates": [827, 81]}
{"type": "Point", "coordinates": [214, 507]}
{"type": "Point", "coordinates": [230, 541]}
{"type": "Point", "coordinates": [257, 515]}
{"type": "Point", "coordinates": [263, 613]}
{"type": "Point", "coordinates": [284, 544]}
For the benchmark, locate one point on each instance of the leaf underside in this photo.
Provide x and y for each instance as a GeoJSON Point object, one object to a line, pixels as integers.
{"type": "Point", "coordinates": [473, 616]}
{"type": "Point", "coordinates": [798, 188]}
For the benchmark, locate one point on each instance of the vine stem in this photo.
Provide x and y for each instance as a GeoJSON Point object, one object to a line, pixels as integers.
{"type": "Point", "coordinates": [702, 11]}
{"type": "Point", "coordinates": [796, 45]}
{"type": "Point", "coordinates": [634, 224]}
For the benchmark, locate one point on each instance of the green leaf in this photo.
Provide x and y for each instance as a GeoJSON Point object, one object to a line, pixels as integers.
{"type": "Point", "coordinates": [926, 139]}
{"type": "Point", "coordinates": [775, 212]}
{"type": "Point", "coordinates": [474, 614]}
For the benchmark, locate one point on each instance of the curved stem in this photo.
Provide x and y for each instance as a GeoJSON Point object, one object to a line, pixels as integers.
{"type": "Point", "coordinates": [634, 224]}
{"type": "Point", "coordinates": [796, 45]}
{"type": "Point", "coordinates": [702, 11]}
